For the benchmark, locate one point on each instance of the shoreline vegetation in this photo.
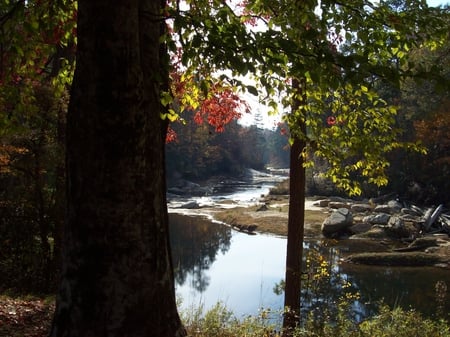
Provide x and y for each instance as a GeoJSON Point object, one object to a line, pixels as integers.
{"type": "Point", "coordinates": [31, 316]}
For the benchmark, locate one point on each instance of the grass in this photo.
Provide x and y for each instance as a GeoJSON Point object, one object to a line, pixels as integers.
{"type": "Point", "coordinates": [220, 322]}
{"type": "Point", "coordinates": [29, 316]}
{"type": "Point", "coordinates": [273, 220]}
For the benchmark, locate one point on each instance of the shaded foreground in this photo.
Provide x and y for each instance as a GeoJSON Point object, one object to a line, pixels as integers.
{"type": "Point", "coordinates": [32, 317]}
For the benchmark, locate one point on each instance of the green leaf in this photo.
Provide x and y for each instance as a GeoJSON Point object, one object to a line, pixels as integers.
{"type": "Point", "coordinates": [166, 98]}
{"type": "Point", "coordinates": [251, 89]}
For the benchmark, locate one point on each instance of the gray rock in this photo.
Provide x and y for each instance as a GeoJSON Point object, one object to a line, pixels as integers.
{"type": "Point", "coordinates": [395, 206]}
{"type": "Point", "coordinates": [359, 228]}
{"type": "Point", "coordinates": [396, 227]}
{"type": "Point", "coordinates": [382, 209]}
{"type": "Point", "coordinates": [340, 220]}
{"type": "Point", "coordinates": [392, 207]}
{"type": "Point", "coordinates": [395, 222]}
{"type": "Point", "coordinates": [361, 208]}
{"type": "Point", "coordinates": [191, 205]}
{"type": "Point", "coordinates": [338, 204]}
{"type": "Point", "coordinates": [424, 242]}
{"type": "Point", "coordinates": [377, 219]}
{"type": "Point", "coordinates": [322, 203]}
{"type": "Point", "coordinates": [409, 211]}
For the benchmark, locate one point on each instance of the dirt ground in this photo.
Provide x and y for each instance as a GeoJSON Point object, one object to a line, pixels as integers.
{"type": "Point", "coordinates": [274, 217]}
{"type": "Point", "coordinates": [25, 317]}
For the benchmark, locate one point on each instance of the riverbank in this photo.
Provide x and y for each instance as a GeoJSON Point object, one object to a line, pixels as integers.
{"type": "Point", "coordinates": [270, 216]}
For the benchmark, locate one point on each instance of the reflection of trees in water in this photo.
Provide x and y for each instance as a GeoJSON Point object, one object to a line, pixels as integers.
{"type": "Point", "coordinates": [327, 281]}
{"type": "Point", "coordinates": [324, 285]}
{"type": "Point", "coordinates": [195, 243]}
{"type": "Point", "coordinates": [406, 287]}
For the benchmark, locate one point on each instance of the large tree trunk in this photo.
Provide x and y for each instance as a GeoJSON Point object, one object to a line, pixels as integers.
{"type": "Point", "coordinates": [117, 277]}
{"type": "Point", "coordinates": [294, 252]}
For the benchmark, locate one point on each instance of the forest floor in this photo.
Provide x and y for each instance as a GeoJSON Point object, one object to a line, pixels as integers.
{"type": "Point", "coordinates": [25, 317]}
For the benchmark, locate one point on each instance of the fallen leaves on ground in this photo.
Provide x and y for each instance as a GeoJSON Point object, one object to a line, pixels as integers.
{"type": "Point", "coordinates": [25, 317]}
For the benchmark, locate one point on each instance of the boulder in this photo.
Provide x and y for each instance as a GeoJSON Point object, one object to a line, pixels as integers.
{"type": "Point", "coordinates": [360, 227]}
{"type": "Point", "coordinates": [249, 229]}
{"type": "Point", "coordinates": [396, 227]}
{"type": "Point", "coordinates": [338, 204]}
{"type": "Point", "coordinates": [425, 242]}
{"type": "Point", "coordinates": [382, 209]}
{"type": "Point", "coordinates": [391, 207]}
{"type": "Point", "coordinates": [190, 205]}
{"type": "Point", "coordinates": [339, 221]}
{"type": "Point", "coordinates": [410, 211]}
{"type": "Point", "coordinates": [377, 219]}
{"type": "Point", "coordinates": [395, 206]}
{"type": "Point", "coordinates": [361, 208]}
{"type": "Point", "coordinates": [322, 203]}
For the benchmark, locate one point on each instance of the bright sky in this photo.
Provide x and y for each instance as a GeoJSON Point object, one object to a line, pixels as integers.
{"type": "Point", "coordinates": [258, 111]}
{"type": "Point", "coordinates": [435, 3]}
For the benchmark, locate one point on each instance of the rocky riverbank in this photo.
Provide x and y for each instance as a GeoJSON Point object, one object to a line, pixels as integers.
{"type": "Point", "coordinates": [394, 238]}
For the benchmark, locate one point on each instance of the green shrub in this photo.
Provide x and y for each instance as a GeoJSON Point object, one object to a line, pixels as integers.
{"type": "Point", "coordinates": [400, 323]}
{"type": "Point", "coordinates": [220, 322]}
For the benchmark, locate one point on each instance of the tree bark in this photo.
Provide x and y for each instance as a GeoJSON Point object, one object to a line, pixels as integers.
{"type": "Point", "coordinates": [294, 252]}
{"type": "Point", "coordinates": [117, 277]}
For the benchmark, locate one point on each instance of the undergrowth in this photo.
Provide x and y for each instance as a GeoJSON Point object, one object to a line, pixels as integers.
{"type": "Point", "coordinates": [397, 322]}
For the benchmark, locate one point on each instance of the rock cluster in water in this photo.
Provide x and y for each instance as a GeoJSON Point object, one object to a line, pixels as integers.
{"type": "Point", "coordinates": [392, 219]}
{"type": "Point", "coordinates": [424, 229]}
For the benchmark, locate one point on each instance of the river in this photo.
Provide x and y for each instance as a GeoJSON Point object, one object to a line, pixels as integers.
{"type": "Point", "coordinates": [215, 263]}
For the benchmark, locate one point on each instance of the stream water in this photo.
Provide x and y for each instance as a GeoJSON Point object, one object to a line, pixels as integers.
{"type": "Point", "coordinates": [214, 263]}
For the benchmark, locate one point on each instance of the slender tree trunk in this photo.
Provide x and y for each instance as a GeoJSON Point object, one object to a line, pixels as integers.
{"type": "Point", "coordinates": [60, 195]}
{"type": "Point", "coordinates": [117, 277]}
{"type": "Point", "coordinates": [41, 212]}
{"type": "Point", "coordinates": [294, 252]}
{"type": "Point", "coordinates": [62, 54]}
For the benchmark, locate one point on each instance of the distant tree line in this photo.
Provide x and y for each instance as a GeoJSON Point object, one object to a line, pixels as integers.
{"type": "Point", "coordinates": [199, 152]}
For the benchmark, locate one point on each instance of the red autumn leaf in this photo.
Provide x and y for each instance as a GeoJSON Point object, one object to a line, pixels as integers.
{"type": "Point", "coordinates": [331, 120]}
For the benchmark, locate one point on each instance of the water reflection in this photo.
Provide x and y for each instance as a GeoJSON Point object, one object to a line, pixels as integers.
{"type": "Point", "coordinates": [323, 283]}
{"type": "Point", "coordinates": [406, 287]}
{"type": "Point", "coordinates": [328, 280]}
{"type": "Point", "coordinates": [195, 244]}
{"type": "Point", "coordinates": [213, 264]}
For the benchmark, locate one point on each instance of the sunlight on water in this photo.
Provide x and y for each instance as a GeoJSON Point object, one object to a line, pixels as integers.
{"type": "Point", "coordinates": [245, 286]}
